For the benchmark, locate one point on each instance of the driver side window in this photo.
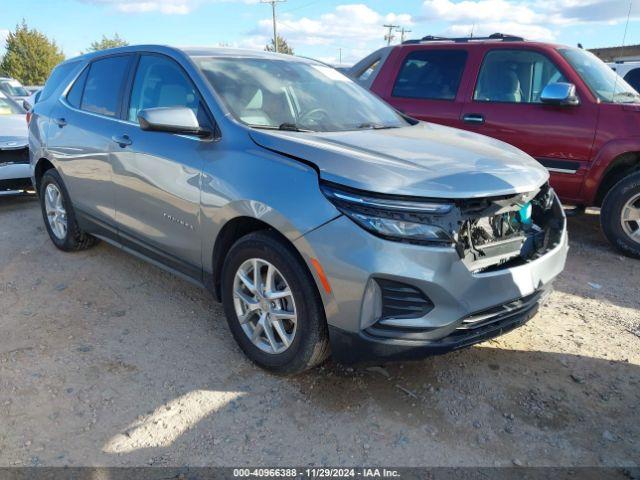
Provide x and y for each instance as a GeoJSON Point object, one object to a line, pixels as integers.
{"type": "Point", "coordinates": [515, 76]}
{"type": "Point", "coordinates": [160, 82]}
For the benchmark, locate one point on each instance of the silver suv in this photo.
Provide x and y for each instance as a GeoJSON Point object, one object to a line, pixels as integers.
{"type": "Point", "coordinates": [322, 218]}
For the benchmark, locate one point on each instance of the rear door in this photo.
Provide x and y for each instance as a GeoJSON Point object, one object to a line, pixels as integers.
{"type": "Point", "coordinates": [424, 83]}
{"type": "Point", "coordinates": [80, 132]}
{"type": "Point", "coordinates": [505, 104]}
{"type": "Point", "coordinates": [157, 175]}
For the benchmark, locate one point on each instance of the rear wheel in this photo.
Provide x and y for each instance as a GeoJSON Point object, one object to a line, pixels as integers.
{"type": "Point", "coordinates": [272, 306]}
{"type": "Point", "coordinates": [620, 215]}
{"type": "Point", "coordinates": [58, 214]}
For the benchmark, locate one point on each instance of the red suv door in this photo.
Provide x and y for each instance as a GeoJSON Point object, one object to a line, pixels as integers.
{"type": "Point", "coordinates": [425, 83]}
{"type": "Point", "coordinates": [504, 102]}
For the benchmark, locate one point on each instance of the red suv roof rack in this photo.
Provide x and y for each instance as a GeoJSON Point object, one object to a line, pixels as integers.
{"type": "Point", "coordinates": [503, 37]}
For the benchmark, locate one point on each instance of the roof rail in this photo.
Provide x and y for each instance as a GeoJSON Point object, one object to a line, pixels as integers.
{"type": "Point", "coordinates": [503, 37]}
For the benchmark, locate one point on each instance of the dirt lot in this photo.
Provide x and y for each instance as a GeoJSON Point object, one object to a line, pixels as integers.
{"type": "Point", "coordinates": [105, 360]}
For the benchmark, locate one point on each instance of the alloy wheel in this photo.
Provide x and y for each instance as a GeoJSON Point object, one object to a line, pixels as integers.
{"type": "Point", "coordinates": [265, 306]}
{"type": "Point", "coordinates": [56, 213]}
{"type": "Point", "coordinates": [631, 218]}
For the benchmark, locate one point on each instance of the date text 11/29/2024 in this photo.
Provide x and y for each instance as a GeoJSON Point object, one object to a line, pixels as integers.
{"type": "Point", "coordinates": [317, 472]}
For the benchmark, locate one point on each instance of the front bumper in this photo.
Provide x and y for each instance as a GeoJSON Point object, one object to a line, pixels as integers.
{"type": "Point", "coordinates": [351, 258]}
{"type": "Point", "coordinates": [364, 346]}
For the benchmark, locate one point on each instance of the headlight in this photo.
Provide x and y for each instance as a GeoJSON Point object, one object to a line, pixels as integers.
{"type": "Point", "coordinates": [392, 217]}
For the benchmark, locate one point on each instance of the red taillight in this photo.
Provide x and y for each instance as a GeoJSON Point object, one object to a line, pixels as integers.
{"type": "Point", "coordinates": [28, 118]}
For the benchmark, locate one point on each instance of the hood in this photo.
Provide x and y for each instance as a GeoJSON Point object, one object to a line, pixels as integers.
{"type": "Point", "coordinates": [13, 131]}
{"type": "Point", "coordinates": [424, 160]}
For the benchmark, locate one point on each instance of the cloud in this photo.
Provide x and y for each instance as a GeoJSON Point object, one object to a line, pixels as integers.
{"type": "Point", "coordinates": [356, 28]}
{"type": "Point", "coordinates": [479, 11]}
{"type": "Point", "coordinates": [594, 11]}
{"type": "Point", "coordinates": [535, 20]}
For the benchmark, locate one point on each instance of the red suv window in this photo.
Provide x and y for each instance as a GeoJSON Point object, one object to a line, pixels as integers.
{"type": "Point", "coordinates": [430, 74]}
{"type": "Point", "coordinates": [515, 76]}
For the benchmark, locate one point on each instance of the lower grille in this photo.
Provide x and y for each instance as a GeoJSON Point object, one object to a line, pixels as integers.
{"type": "Point", "coordinates": [19, 155]}
{"type": "Point", "coordinates": [474, 328]}
{"type": "Point", "coordinates": [400, 300]}
{"type": "Point", "coordinates": [499, 313]}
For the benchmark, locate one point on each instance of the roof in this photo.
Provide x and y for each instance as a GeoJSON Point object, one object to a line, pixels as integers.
{"type": "Point", "coordinates": [192, 52]}
{"type": "Point", "coordinates": [493, 39]}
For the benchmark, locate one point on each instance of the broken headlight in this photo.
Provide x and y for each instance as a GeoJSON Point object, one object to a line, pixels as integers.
{"type": "Point", "coordinates": [391, 217]}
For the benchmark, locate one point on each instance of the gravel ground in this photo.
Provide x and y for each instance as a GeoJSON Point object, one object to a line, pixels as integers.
{"type": "Point", "coordinates": [105, 360]}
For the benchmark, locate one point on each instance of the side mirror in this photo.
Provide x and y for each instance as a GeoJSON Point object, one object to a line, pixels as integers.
{"type": "Point", "coordinates": [560, 93]}
{"type": "Point", "coordinates": [171, 120]}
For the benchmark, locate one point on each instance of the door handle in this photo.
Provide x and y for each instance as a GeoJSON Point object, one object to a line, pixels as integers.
{"type": "Point", "coordinates": [61, 122]}
{"type": "Point", "coordinates": [476, 118]}
{"type": "Point", "coordinates": [122, 140]}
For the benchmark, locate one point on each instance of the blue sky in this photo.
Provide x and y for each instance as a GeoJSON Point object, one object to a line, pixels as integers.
{"type": "Point", "coordinates": [320, 28]}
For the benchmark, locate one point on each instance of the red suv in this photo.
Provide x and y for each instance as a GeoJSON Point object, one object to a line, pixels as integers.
{"type": "Point", "coordinates": [561, 105]}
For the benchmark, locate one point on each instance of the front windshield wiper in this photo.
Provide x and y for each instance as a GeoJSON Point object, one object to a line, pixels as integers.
{"type": "Point", "coordinates": [289, 127]}
{"type": "Point", "coordinates": [374, 126]}
{"type": "Point", "coordinates": [292, 127]}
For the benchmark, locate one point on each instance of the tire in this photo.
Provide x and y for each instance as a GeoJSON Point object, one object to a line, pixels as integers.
{"type": "Point", "coordinates": [310, 344]}
{"type": "Point", "coordinates": [74, 238]}
{"type": "Point", "coordinates": [614, 205]}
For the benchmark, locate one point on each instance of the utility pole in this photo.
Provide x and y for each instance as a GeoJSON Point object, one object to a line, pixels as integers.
{"type": "Point", "coordinates": [389, 36]}
{"type": "Point", "coordinates": [273, 11]}
{"type": "Point", "coordinates": [403, 31]}
{"type": "Point", "coordinates": [340, 56]}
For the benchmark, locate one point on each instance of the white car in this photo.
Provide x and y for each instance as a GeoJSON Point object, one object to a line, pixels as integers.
{"type": "Point", "coordinates": [14, 147]}
{"type": "Point", "coordinates": [630, 71]}
{"type": "Point", "coordinates": [12, 88]}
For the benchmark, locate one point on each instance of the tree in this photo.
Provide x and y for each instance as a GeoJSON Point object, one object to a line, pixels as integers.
{"type": "Point", "coordinates": [283, 46]}
{"type": "Point", "coordinates": [107, 42]}
{"type": "Point", "coordinates": [30, 55]}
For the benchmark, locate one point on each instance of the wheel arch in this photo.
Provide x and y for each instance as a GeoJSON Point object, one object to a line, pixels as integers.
{"type": "Point", "coordinates": [621, 166]}
{"type": "Point", "coordinates": [42, 165]}
{"type": "Point", "coordinates": [230, 233]}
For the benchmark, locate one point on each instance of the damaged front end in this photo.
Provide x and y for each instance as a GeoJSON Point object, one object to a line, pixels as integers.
{"type": "Point", "coordinates": [508, 231]}
{"type": "Point", "coordinates": [488, 233]}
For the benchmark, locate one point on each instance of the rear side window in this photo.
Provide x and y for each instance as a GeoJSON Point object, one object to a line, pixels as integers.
{"type": "Point", "coordinates": [58, 75]}
{"type": "Point", "coordinates": [633, 79]}
{"type": "Point", "coordinates": [515, 76]}
{"type": "Point", "coordinates": [431, 74]}
{"type": "Point", "coordinates": [74, 97]}
{"type": "Point", "coordinates": [103, 87]}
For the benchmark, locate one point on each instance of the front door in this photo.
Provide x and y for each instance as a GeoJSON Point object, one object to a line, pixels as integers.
{"type": "Point", "coordinates": [157, 175]}
{"type": "Point", "coordinates": [506, 105]}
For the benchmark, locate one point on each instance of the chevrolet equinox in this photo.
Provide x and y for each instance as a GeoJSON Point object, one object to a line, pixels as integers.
{"type": "Point", "coordinates": [322, 218]}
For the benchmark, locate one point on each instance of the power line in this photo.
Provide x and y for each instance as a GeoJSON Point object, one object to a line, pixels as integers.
{"type": "Point", "coordinates": [390, 36]}
{"type": "Point", "coordinates": [273, 4]}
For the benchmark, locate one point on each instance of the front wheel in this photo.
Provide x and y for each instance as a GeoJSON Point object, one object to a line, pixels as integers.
{"type": "Point", "coordinates": [620, 215]}
{"type": "Point", "coordinates": [272, 306]}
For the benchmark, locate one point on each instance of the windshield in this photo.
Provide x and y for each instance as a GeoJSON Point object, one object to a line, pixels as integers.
{"type": "Point", "coordinates": [295, 95]}
{"type": "Point", "coordinates": [603, 82]}
{"type": "Point", "coordinates": [7, 107]}
{"type": "Point", "coordinates": [14, 89]}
